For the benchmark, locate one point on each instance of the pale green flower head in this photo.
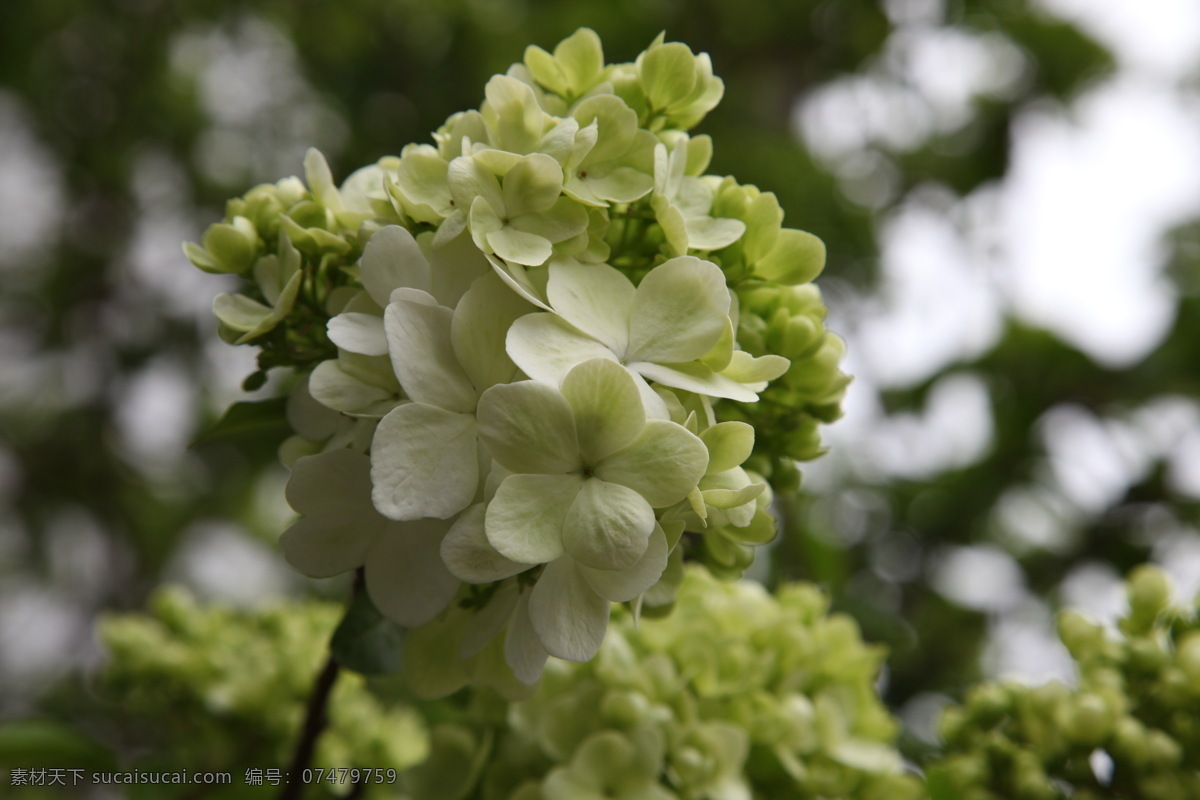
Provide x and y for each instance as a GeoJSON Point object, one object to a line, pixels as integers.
{"type": "Point", "coordinates": [683, 204]}
{"type": "Point", "coordinates": [425, 457]}
{"type": "Point", "coordinates": [519, 213]}
{"type": "Point", "coordinates": [576, 66]}
{"type": "Point", "coordinates": [619, 168]}
{"type": "Point", "coordinates": [611, 765]}
{"type": "Point", "coordinates": [589, 468]}
{"type": "Point", "coordinates": [679, 86]}
{"type": "Point", "coordinates": [341, 531]}
{"type": "Point", "coordinates": [660, 330]}
{"type": "Point", "coordinates": [514, 119]}
{"type": "Point", "coordinates": [420, 185]}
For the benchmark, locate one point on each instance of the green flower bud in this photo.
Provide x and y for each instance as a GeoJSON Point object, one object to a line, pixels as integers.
{"type": "Point", "coordinates": [1082, 637]}
{"type": "Point", "coordinates": [228, 247]}
{"type": "Point", "coordinates": [1089, 720]}
{"type": "Point", "coordinates": [1149, 592]}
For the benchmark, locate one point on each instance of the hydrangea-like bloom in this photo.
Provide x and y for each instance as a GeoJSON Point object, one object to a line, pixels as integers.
{"type": "Point", "coordinates": [660, 330]}
{"type": "Point", "coordinates": [537, 347]}
{"type": "Point", "coordinates": [425, 455]}
{"type": "Point", "coordinates": [588, 468]}
{"type": "Point", "coordinates": [341, 530]}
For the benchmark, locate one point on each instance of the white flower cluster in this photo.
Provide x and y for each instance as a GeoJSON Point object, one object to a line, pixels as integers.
{"type": "Point", "coordinates": [533, 350]}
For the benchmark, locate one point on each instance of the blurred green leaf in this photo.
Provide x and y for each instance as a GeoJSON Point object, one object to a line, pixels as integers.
{"type": "Point", "coordinates": [366, 641]}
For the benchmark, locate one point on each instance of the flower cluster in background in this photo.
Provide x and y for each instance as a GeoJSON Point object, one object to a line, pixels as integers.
{"type": "Point", "coordinates": [533, 357]}
{"type": "Point", "coordinates": [1128, 729]}
{"type": "Point", "coordinates": [736, 694]}
{"type": "Point", "coordinates": [183, 669]}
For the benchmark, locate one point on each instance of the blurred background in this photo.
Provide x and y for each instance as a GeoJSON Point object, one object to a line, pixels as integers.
{"type": "Point", "coordinates": [1009, 191]}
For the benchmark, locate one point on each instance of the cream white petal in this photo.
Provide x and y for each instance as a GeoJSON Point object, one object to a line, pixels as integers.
{"type": "Point", "coordinates": [424, 462]}
{"type": "Point", "coordinates": [607, 526]}
{"type": "Point", "coordinates": [595, 298]}
{"type": "Point", "coordinates": [525, 519]}
{"type": "Point", "coordinates": [405, 575]}
{"type": "Point", "coordinates": [623, 585]}
{"type": "Point", "coordinates": [358, 333]}
{"type": "Point", "coordinates": [392, 259]}
{"type": "Point", "coordinates": [569, 618]}
{"type": "Point", "coordinates": [469, 555]}
{"type": "Point", "coordinates": [546, 347]}
{"type": "Point", "coordinates": [422, 354]}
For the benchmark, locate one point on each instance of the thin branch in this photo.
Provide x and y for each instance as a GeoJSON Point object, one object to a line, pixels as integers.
{"type": "Point", "coordinates": [316, 717]}
{"type": "Point", "coordinates": [315, 721]}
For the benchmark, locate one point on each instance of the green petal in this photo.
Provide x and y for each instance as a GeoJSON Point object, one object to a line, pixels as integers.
{"type": "Point", "coordinates": [424, 462]}
{"type": "Point", "coordinates": [333, 387]}
{"type": "Point", "coordinates": [617, 124]}
{"type": "Point", "coordinates": [519, 279]}
{"type": "Point", "coordinates": [623, 585]}
{"type": "Point", "coordinates": [546, 347]}
{"type": "Point", "coordinates": [595, 298]}
{"type": "Point", "coordinates": [419, 343]}
{"type": "Point", "coordinates": [569, 618]}
{"type": "Point", "coordinates": [525, 519]}
{"type": "Point", "coordinates": [712, 233]}
{"type": "Point", "coordinates": [560, 142]}
{"type": "Point", "coordinates": [454, 266]}
{"type": "Point", "coordinates": [392, 259]}
{"type": "Point", "coordinates": [469, 179]}
{"type": "Point", "coordinates": [667, 74]}
{"type": "Point", "coordinates": [421, 179]}
{"type": "Point", "coordinates": [729, 444]}
{"type": "Point", "coordinates": [581, 58]}
{"type": "Point", "coordinates": [359, 333]}
{"type": "Point", "coordinates": [481, 322]}
{"type": "Point", "coordinates": [673, 225]}
{"type": "Point", "coordinates": [797, 257]}
{"type": "Point", "coordinates": [621, 185]}
{"type": "Point", "coordinates": [487, 622]}
{"type": "Point", "coordinates": [532, 185]}
{"type": "Point", "coordinates": [405, 575]}
{"type": "Point", "coordinates": [469, 555]}
{"type": "Point", "coordinates": [745, 368]}
{"type": "Point", "coordinates": [695, 378]}
{"type": "Point", "coordinates": [546, 70]}
{"type": "Point", "coordinates": [563, 220]}
{"type": "Point", "coordinates": [320, 180]}
{"type": "Point", "coordinates": [608, 525]}
{"type": "Point", "coordinates": [520, 247]}
{"type": "Point", "coordinates": [523, 650]}
{"type": "Point", "coordinates": [680, 311]}
{"type": "Point", "coordinates": [662, 465]}
{"type": "Point", "coordinates": [512, 114]}
{"type": "Point", "coordinates": [528, 427]}
{"type": "Point", "coordinates": [607, 407]}
{"type": "Point", "coordinates": [726, 499]}
{"type": "Point", "coordinates": [240, 312]}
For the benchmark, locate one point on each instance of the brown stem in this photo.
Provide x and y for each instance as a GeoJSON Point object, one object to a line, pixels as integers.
{"type": "Point", "coordinates": [315, 720]}
{"type": "Point", "coordinates": [316, 717]}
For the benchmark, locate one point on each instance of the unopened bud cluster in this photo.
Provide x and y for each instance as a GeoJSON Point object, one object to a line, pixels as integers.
{"type": "Point", "coordinates": [1131, 727]}
{"type": "Point", "coordinates": [736, 694]}
{"type": "Point", "coordinates": [220, 687]}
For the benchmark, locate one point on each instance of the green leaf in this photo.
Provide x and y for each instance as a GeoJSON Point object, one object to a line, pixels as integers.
{"type": "Point", "coordinates": [366, 641]}
{"type": "Point", "coordinates": [46, 743]}
{"type": "Point", "coordinates": [261, 418]}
